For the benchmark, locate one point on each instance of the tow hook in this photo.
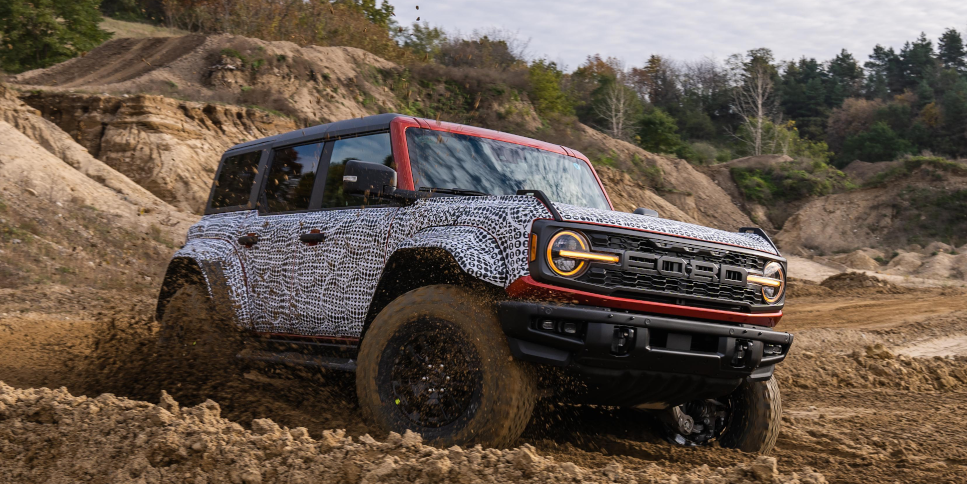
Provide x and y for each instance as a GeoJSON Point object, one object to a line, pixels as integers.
{"type": "Point", "coordinates": [743, 353]}
{"type": "Point", "coordinates": [623, 340]}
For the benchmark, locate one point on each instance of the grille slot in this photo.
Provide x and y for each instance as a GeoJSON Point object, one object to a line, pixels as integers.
{"type": "Point", "coordinates": [661, 286]}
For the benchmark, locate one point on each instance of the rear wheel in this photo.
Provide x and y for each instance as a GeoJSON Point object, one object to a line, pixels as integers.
{"type": "Point", "coordinates": [747, 419]}
{"type": "Point", "coordinates": [436, 362]}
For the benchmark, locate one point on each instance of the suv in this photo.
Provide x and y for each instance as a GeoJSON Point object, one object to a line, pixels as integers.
{"type": "Point", "coordinates": [463, 273]}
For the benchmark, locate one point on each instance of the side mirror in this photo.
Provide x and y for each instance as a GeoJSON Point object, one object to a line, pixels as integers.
{"type": "Point", "coordinates": [366, 178]}
{"type": "Point", "coordinates": [646, 212]}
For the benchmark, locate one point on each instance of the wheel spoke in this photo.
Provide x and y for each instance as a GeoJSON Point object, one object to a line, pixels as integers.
{"type": "Point", "coordinates": [425, 361]}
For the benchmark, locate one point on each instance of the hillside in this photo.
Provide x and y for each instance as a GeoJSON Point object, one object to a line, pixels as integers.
{"type": "Point", "coordinates": [169, 139]}
{"type": "Point", "coordinates": [65, 215]}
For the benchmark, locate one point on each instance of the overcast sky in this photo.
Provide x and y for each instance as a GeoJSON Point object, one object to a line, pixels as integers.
{"type": "Point", "coordinates": [570, 30]}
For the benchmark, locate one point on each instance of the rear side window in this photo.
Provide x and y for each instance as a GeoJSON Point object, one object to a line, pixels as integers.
{"type": "Point", "coordinates": [235, 180]}
{"type": "Point", "coordinates": [374, 148]}
{"type": "Point", "coordinates": [288, 187]}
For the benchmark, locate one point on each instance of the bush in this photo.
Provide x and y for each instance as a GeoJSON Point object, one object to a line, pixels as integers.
{"type": "Point", "coordinates": [545, 90]}
{"type": "Point", "coordinates": [879, 143]}
{"type": "Point", "coordinates": [658, 133]}
{"type": "Point", "coordinates": [790, 181]}
{"type": "Point", "coordinates": [914, 163]}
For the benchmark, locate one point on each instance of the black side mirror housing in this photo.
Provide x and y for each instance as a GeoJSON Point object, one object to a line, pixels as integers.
{"type": "Point", "coordinates": [646, 211]}
{"type": "Point", "coordinates": [367, 178]}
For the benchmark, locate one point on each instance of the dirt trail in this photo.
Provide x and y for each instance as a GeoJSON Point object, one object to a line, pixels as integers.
{"type": "Point", "coordinates": [117, 61]}
{"type": "Point", "coordinates": [857, 407]}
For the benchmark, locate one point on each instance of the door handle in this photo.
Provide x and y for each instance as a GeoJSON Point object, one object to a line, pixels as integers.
{"type": "Point", "coordinates": [248, 241]}
{"type": "Point", "coordinates": [313, 237]}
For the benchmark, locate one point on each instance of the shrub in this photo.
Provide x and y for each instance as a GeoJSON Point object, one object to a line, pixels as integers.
{"type": "Point", "coordinates": [790, 181]}
{"type": "Point", "coordinates": [913, 163]}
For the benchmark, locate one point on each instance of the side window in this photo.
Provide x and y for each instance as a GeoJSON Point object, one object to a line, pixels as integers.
{"type": "Point", "coordinates": [235, 180]}
{"type": "Point", "coordinates": [374, 148]}
{"type": "Point", "coordinates": [291, 177]}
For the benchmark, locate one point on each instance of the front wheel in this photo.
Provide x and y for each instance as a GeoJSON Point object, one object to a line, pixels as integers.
{"type": "Point", "coordinates": [435, 361]}
{"type": "Point", "coordinates": [747, 419]}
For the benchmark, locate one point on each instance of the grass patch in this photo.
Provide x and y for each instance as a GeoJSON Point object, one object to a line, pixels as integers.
{"type": "Point", "coordinates": [790, 181]}
{"type": "Point", "coordinates": [234, 53]}
{"type": "Point", "coordinates": [938, 169]}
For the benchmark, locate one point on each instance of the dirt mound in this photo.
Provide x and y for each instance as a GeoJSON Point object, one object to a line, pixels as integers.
{"type": "Point", "coordinates": [875, 367]}
{"type": "Point", "coordinates": [113, 62]}
{"type": "Point", "coordinates": [116, 439]}
{"type": "Point", "coordinates": [860, 280]}
{"type": "Point", "coordinates": [863, 171]}
{"type": "Point", "coordinates": [916, 204]}
{"type": "Point", "coordinates": [310, 83]}
{"type": "Point", "coordinates": [167, 146]}
{"type": "Point", "coordinates": [64, 215]}
{"type": "Point", "coordinates": [627, 195]}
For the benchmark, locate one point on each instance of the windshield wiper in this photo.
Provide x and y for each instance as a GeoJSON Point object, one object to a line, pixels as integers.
{"type": "Point", "coordinates": [455, 191]}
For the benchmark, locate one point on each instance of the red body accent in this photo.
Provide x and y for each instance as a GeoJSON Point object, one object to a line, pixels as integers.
{"type": "Point", "coordinates": [527, 288]}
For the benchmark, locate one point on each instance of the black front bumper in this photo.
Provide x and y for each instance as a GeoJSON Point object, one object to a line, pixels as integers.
{"type": "Point", "coordinates": [625, 358]}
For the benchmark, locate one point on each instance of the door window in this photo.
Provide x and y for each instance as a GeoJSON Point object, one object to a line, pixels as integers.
{"type": "Point", "coordinates": [374, 148]}
{"type": "Point", "coordinates": [233, 188]}
{"type": "Point", "coordinates": [288, 187]}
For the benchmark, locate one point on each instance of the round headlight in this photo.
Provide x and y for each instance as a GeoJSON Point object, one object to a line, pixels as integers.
{"type": "Point", "coordinates": [772, 294]}
{"type": "Point", "coordinates": [566, 240]}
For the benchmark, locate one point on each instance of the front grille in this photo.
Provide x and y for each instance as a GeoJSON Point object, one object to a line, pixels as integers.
{"type": "Point", "coordinates": [657, 287]}
{"type": "Point", "coordinates": [670, 285]}
{"type": "Point", "coordinates": [693, 251]}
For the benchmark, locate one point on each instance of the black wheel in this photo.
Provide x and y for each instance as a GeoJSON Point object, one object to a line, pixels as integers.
{"type": "Point", "coordinates": [747, 419]}
{"type": "Point", "coordinates": [436, 362]}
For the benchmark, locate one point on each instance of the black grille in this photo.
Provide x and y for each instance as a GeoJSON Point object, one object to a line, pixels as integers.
{"type": "Point", "coordinates": [679, 249]}
{"type": "Point", "coordinates": [671, 285]}
{"type": "Point", "coordinates": [630, 281]}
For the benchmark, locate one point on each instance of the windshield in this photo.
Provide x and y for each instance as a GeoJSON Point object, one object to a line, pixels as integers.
{"type": "Point", "coordinates": [439, 159]}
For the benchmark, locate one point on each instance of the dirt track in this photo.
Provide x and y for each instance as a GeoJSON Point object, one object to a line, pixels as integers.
{"type": "Point", "coordinates": [856, 406]}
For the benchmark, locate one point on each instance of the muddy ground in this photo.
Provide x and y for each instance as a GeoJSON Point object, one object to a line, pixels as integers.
{"type": "Point", "coordinates": [874, 391]}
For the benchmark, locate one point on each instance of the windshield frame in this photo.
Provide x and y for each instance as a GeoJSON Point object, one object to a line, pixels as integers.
{"type": "Point", "coordinates": [400, 125]}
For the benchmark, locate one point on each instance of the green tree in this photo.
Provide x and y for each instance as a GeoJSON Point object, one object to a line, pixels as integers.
{"type": "Point", "coordinates": [424, 41]}
{"type": "Point", "coordinates": [845, 79]}
{"type": "Point", "coordinates": [658, 133]}
{"type": "Point", "coordinates": [885, 73]}
{"type": "Point", "coordinates": [919, 62]}
{"type": "Point", "coordinates": [879, 143]}
{"type": "Point", "coordinates": [381, 15]}
{"type": "Point", "coordinates": [951, 51]}
{"type": "Point", "coordinates": [545, 91]}
{"type": "Point", "coordinates": [38, 33]}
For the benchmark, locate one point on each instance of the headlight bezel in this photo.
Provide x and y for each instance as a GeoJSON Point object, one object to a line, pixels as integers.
{"type": "Point", "coordinates": [581, 266]}
{"type": "Point", "coordinates": [774, 270]}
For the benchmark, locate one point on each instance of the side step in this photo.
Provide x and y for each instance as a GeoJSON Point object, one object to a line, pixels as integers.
{"type": "Point", "coordinates": [299, 359]}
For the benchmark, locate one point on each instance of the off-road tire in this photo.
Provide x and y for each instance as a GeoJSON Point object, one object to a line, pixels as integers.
{"type": "Point", "coordinates": [506, 389]}
{"type": "Point", "coordinates": [755, 417]}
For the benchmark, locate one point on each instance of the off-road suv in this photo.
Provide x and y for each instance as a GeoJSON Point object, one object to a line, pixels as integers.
{"type": "Point", "coordinates": [463, 273]}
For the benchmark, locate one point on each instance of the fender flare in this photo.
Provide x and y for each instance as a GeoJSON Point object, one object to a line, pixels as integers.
{"type": "Point", "coordinates": [475, 250]}
{"type": "Point", "coordinates": [214, 263]}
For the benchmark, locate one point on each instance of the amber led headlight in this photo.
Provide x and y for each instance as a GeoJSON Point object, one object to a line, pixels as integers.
{"type": "Point", "coordinates": [772, 280]}
{"type": "Point", "coordinates": [568, 254]}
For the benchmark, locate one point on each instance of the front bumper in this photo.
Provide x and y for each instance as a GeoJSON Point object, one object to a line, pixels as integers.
{"type": "Point", "coordinates": [626, 358]}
